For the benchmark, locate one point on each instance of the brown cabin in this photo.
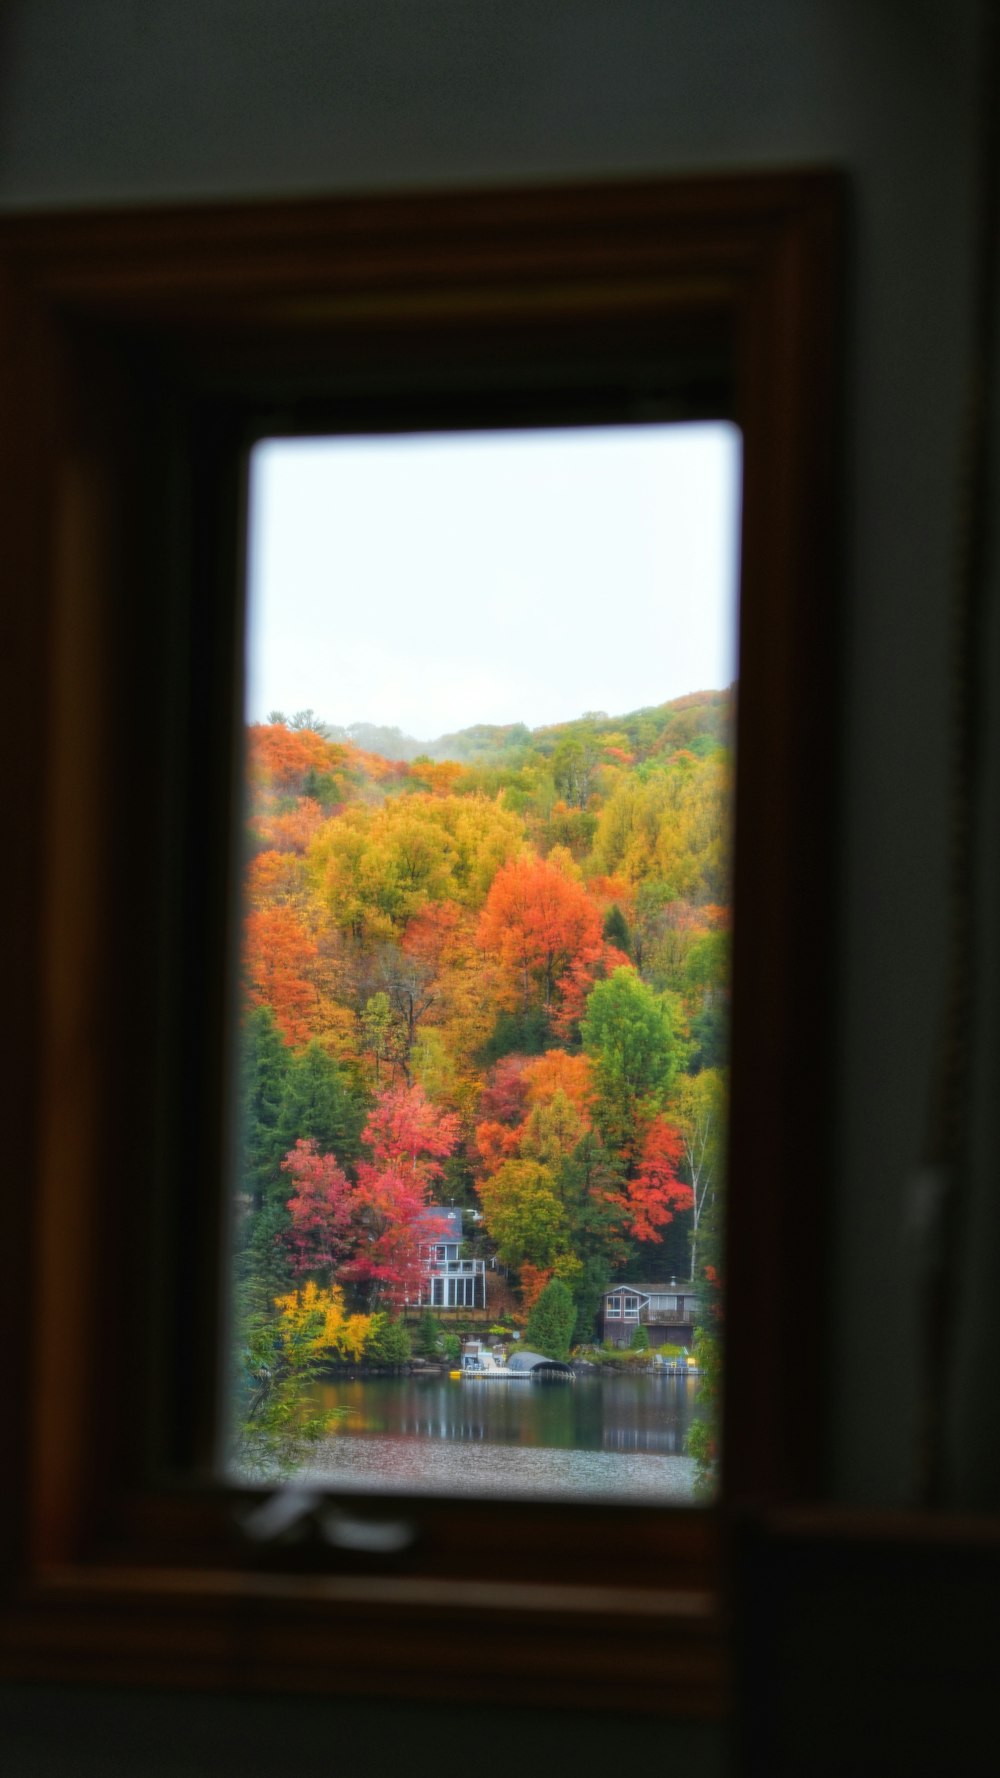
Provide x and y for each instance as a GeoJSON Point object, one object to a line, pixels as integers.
{"type": "Point", "coordinates": [666, 1311]}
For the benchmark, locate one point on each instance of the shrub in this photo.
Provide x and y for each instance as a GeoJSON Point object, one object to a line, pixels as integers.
{"type": "Point", "coordinates": [388, 1341]}
{"type": "Point", "coordinates": [276, 1422]}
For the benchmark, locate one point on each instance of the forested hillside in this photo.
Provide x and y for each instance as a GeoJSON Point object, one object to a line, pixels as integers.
{"type": "Point", "coordinates": [493, 973]}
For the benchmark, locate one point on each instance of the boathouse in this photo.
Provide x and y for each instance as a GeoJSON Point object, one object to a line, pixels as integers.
{"type": "Point", "coordinates": [666, 1311]}
{"type": "Point", "coordinates": [450, 1280]}
{"type": "Point", "coordinates": [536, 1365]}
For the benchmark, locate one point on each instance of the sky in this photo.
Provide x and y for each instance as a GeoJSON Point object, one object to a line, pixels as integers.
{"type": "Point", "coordinates": [434, 581]}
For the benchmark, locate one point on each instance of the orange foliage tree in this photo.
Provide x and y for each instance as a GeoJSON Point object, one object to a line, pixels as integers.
{"type": "Point", "coordinates": [278, 953]}
{"type": "Point", "coordinates": [540, 922]}
{"type": "Point", "coordinates": [656, 1191]}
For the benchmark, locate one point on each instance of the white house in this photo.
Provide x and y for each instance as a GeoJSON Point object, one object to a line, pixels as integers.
{"type": "Point", "coordinates": [450, 1282]}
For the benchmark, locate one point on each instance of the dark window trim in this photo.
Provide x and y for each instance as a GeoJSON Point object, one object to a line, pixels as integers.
{"type": "Point", "coordinates": [140, 354]}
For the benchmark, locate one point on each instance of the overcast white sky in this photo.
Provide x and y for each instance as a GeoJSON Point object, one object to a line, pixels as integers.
{"type": "Point", "coordinates": [437, 581]}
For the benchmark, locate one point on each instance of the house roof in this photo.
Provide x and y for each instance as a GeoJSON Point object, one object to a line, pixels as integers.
{"type": "Point", "coordinates": [523, 1360]}
{"type": "Point", "coordinates": [448, 1221]}
{"type": "Point", "coordinates": [675, 1287]}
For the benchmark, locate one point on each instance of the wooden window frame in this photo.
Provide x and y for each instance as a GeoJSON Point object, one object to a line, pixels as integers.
{"type": "Point", "coordinates": [140, 354]}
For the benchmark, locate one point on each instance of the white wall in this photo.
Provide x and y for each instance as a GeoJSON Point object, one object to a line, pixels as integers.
{"type": "Point", "coordinates": [113, 101]}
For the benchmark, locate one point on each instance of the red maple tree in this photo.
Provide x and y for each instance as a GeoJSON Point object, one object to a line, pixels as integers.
{"type": "Point", "coordinates": [321, 1208]}
{"type": "Point", "coordinates": [656, 1192]}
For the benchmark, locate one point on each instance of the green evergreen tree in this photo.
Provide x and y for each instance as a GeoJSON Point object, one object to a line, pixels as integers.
{"type": "Point", "coordinates": [640, 1339]}
{"type": "Point", "coordinates": [428, 1340]}
{"type": "Point", "coordinates": [710, 1037]}
{"type": "Point", "coordinates": [588, 1289]}
{"type": "Point", "coordinates": [264, 1070]}
{"type": "Point", "coordinates": [388, 1341]}
{"type": "Point", "coordinates": [588, 1182]}
{"type": "Point", "coordinates": [264, 1268]}
{"type": "Point", "coordinates": [551, 1322]}
{"type": "Point", "coordinates": [320, 1103]}
{"type": "Point", "coordinates": [616, 930]}
{"type": "Point", "coordinates": [526, 1033]}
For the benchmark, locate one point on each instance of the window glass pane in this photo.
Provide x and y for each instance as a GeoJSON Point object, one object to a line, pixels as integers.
{"type": "Point", "coordinates": [483, 1043]}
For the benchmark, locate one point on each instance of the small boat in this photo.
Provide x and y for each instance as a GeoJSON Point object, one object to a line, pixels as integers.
{"type": "Point", "coordinates": [480, 1365]}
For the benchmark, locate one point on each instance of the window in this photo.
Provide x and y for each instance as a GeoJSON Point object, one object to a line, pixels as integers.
{"type": "Point", "coordinates": [614, 1307]}
{"type": "Point", "coordinates": [145, 353]}
{"type": "Point", "coordinates": [631, 1308]}
{"type": "Point", "coordinates": [453, 723]}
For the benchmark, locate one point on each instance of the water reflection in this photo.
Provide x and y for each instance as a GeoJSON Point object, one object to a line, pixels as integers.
{"type": "Point", "coordinates": [615, 1436]}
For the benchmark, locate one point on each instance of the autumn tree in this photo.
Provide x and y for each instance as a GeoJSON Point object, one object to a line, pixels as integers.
{"type": "Point", "coordinates": [320, 1209]}
{"type": "Point", "coordinates": [460, 986]}
{"type": "Point", "coordinates": [523, 1213]}
{"type": "Point", "coordinates": [557, 1071]}
{"type": "Point", "coordinates": [383, 1034]}
{"type": "Point", "coordinates": [656, 1191]}
{"type": "Point", "coordinates": [377, 868]}
{"type": "Point", "coordinates": [504, 1098]}
{"type": "Point", "coordinates": [391, 1230]}
{"type": "Point", "coordinates": [551, 1131]}
{"type": "Point", "coordinates": [275, 1362]}
{"type": "Point", "coordinates": [405, 1130]}
{"type": "Point", "coordinates": [278, 953]}
{"type": "Point", "coordinates": [280, 759]}
{"type": "Point", "coordinates": [539, 922]}
{"type": "Point", "coordinates": [409, 1140]}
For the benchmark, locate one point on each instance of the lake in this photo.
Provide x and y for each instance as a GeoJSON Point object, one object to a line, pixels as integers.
{"type": "Point", "coordinates": [609, 1436]}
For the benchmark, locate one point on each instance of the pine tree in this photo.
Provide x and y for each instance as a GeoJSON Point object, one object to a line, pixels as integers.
{"type": "Point", "coordinates": [319, 1104]}
{"type": "Point", "coordinates": [265, 1061]}
{"type": "Point", "coordinates": [551, 1322]}
{"type": "Point", "coordinates": [616, 930]}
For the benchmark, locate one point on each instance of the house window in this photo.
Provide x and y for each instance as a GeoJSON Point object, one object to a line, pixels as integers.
{"type": "Point", "coordinates": [614, 1307]}
{"type": "Point", "coordinates": [631, 1307]}
{"type": "Point", "coordinates": [663, 1302]}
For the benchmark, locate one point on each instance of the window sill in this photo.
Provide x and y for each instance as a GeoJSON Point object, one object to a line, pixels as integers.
{"type": "Point", "coordinates": [646, 1650]}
